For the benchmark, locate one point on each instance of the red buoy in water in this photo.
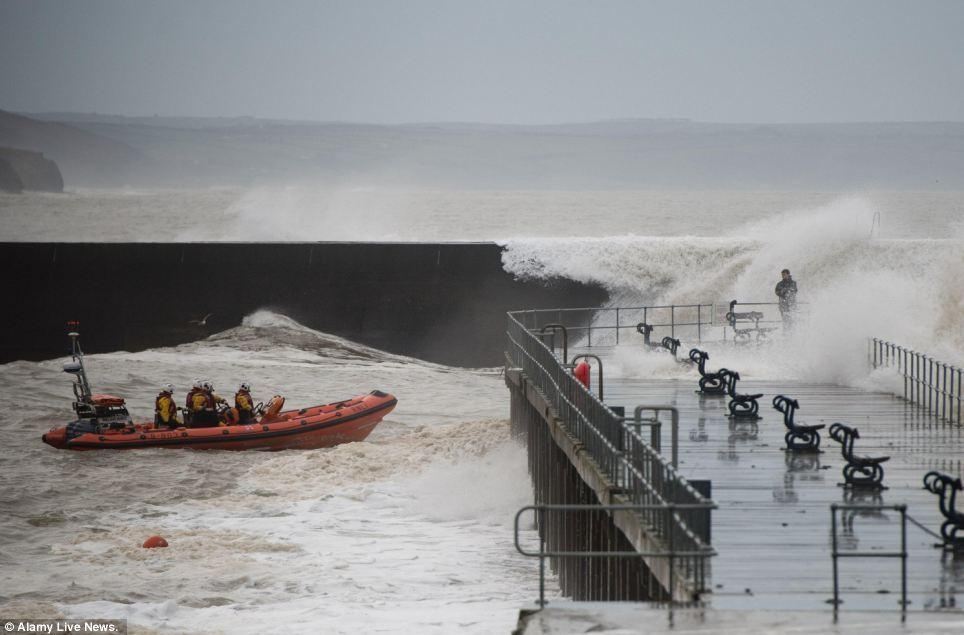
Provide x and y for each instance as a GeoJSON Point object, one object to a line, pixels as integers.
{"type": "Point", "coordinates": [153, 542]}
{"type": "Point", "coordinates": [581, 371]}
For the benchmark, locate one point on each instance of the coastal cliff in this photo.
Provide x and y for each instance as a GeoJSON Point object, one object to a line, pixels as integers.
{"type": "Point", "coordinates": [84, 158]}
{"type": "Point", "coordinates": [26, 170]}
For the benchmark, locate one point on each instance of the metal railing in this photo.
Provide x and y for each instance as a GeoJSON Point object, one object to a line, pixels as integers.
{"type": "Point", "coordinates": [607, 324]}
{"type": "Point", "coordinates": [929, 383]}
{"type": "Point", "coordinates": [902, 554]}
{"type": "Point", "coordinates": [670, 551]}
{"type": "Point", "coordinates": [642, 475]}
{"type": "Point", "coordinates": [653, 422]}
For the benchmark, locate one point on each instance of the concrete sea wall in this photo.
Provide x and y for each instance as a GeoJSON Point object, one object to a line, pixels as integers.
{"type": "Point", "coordinates": [440, 302]}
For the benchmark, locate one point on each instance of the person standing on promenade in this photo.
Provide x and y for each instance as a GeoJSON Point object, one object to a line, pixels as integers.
{"type": "Point", "coordinates": [786, 290]}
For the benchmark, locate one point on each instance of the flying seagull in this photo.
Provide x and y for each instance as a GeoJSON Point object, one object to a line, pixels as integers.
{"type": "Point", "coordinates": [202, 322]}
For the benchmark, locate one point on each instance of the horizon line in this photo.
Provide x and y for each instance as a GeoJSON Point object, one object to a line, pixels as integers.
{"type": "Point", "coordinates": [462, 122]}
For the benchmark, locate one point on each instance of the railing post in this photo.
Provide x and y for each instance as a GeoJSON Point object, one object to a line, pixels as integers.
{"type": "Point", "coordinates": [943, 383]}
{"type": "Point", "coordinates": [617, 325]}
{"type": "Point", "coordinates": [833, 556]}
{"type": "Point", "coordinates": [589, 330]}
{"type": "Point", "coordinates": [915, 396]}
{"type": "Point", "coordinates": [672, 320]}
{"type": "Point", "coordinates": [672, 551]}
{"type": "Point", "coordinates": [565, 338]}
{"type": "Point", "coordinates": [903, 562]}
{"type": "Point", "coordinates": [699, 323]}
{"type": "Point", "coordinates": [959, 395]}
{"type": "Point", "coordinates": [542, 559]}
{"type": "Point", "coordinates": [903, 353]}
{"type": "Point", "coordinates": [915, 377]}
{"type": "Point", "coordinates": [926, 385]}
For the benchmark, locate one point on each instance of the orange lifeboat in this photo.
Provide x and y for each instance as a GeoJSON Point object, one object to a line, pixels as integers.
{"type": "Point", "coordinates": [103, 423]}
{"type": "Point", "coordinates": [315, 427]}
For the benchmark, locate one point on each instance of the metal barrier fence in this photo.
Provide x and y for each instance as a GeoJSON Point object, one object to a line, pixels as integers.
{"type": "Point", "coordinates": [836, 554]}
{"type": "Point", "coordinates": [604, 326]}
{"type": "Point", "coordinates": [646, 479]}
{"type": "Point", "coordinates": [934, 385]}
{"type": "Point", "coordinates": [671, 552]}
{"type": "Point", "coordinates": [608, 326]}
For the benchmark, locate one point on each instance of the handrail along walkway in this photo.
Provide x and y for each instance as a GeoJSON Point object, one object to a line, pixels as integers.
{"type": "Point", "coordinates": [642, 476]}
{"type": "Point", "coordinates": [934, 385]}
{"type": "Point", "coordinates": [836, 554]}
{"type": "Point", "coordinates": [669, 552]}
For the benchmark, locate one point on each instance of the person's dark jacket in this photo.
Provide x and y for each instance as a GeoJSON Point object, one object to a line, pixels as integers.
{"type": "Point", "coordinates": [786, 290]}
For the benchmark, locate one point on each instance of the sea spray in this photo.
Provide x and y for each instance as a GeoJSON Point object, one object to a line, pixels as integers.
{"type": "Point", "coordinates": [853, 284]}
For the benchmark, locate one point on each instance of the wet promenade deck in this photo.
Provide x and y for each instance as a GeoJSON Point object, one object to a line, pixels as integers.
{"type": "Point", "coordinates": [772, 530]}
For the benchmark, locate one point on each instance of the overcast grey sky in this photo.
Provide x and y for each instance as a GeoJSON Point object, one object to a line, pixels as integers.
{"type": "Point", "coordinates": [501, 61]}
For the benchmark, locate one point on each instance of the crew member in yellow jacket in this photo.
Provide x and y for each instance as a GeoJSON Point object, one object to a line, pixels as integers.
{"type": "Point", "coordinates": [244, 404]}
{"type": "Point", "coordinates": [204, 405]}
{"type": "Point", "coordinates": [165, 410]}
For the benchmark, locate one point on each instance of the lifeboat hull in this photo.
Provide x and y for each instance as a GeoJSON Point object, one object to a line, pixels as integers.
{"type": "Point", "coordinates": [316, 427]}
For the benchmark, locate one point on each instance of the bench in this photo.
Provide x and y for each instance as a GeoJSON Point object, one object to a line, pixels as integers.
{"type": "Point", "coordinates": [741, 406]}
{"type": "Point", "coordinates": [646, 331]}
{"type": "Point", "coordinates": [860, 471]}
{"type": "Point", "coordinates": [710, 383]}
{"type": "Point", "coordinates": [746, 325]}
{"type": "Point", "coordinates": [947, 488]}
{"type": "Point", "coordinates": [799, 437]}
{"type": "Point", "coordinates": [669, 343]}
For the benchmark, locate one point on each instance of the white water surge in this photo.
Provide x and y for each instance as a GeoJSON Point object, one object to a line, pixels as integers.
{"type": "Point", "coordinates": [409, 531]}
{"type": "Point", "coordinates": [854, 284]}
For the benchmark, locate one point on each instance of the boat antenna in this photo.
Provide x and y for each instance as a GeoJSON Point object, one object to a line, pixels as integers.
{"type": "Point", "coordinates": [82, 386]}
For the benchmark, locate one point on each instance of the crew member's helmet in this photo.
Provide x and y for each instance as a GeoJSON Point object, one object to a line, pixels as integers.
{"type": "Point", "coordinates": [207, 386]}
{"type": "Point", "coordinates": [168, 388]}
{"type": "Point", "coordinates": [245, 386]}
{"type": "Point", "coordinates": [197, 384]}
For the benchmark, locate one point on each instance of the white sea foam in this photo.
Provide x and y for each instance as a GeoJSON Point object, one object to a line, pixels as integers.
{"type": "Point", "coordinates": [853, 285]}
